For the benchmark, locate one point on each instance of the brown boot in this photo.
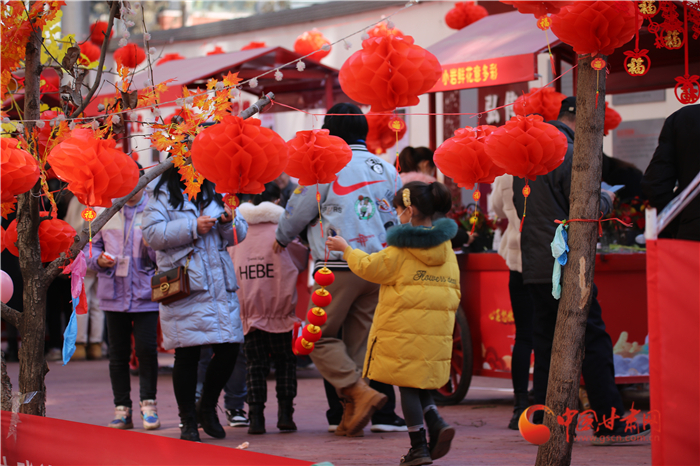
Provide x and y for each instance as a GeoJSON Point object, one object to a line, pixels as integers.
{"type": "Point", "coordinates": [366, 401]}
{"type": "Point", "coordinates": [341, 430]}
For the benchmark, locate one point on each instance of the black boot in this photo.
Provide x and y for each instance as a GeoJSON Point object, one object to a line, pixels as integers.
{"type": "Point", "coordinates": [521, 404]}
{"type": "Point", "coordinates": [209, 420]}
{"type": "Point", "coordinates": [419, 453]}
{"type": "Point", "coordinates": [256, 417]}
{"type": "Point", "coordinates": [285, 423]}
{"type": "Point", "coordinates": [441, 434]}
{"type": "Point", "coordinates": [189, 431]}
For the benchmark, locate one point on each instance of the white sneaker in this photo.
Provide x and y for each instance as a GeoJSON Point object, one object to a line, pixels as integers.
{"type": "Point", "coordinates": [236, 418]}
{"type": "Point", "coordinates": [332, 427]}
{"type": "Point", "coordinates": [149, 414]}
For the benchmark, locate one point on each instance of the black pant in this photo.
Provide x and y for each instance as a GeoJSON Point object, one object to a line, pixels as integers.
{"type": "Point", "coordinates": [385, 415]}
{"type": "Point", "coordinates": [522, 349]}
{"type": "Point", "coordinates": [598, 368]}
{"type": "Point", "coordinates": [413, 403]}
{"type": "Point", "coordinates": [262, 347]}
{"type": "Point", "coordinates": [144, 326]}
{"type": "Point", "coordinates": [218, 373]}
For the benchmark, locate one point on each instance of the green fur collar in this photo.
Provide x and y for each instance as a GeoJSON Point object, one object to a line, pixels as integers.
{"type": "Point", "coordinates": [408, 236]}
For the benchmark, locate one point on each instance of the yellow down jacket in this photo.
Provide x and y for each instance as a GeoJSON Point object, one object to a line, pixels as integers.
{"type": "Point", "coordinates": [410, 342]}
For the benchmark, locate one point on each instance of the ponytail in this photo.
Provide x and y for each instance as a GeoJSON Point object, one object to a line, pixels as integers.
{"type": "Point", "coordinates": [428, 199]}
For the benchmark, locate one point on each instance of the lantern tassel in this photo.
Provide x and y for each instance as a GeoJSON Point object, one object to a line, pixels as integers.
{"type": "Point", "coordinates": [235, 233]}
{"type": "Point", "coordinates": [597, 88]}
{"type": "Point", "coordinates": [526, 193]}
{"type": "Point", "coordinates": [90, 237]}
{"type": "Point", "coordinates": [551, 57]}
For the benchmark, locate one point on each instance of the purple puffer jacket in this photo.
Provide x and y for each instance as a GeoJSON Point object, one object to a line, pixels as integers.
{"type": "Point", "coordinates": [133, 292]}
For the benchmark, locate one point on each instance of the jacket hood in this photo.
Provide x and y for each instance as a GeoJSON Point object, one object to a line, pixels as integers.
{"type": "Point", "coordinates": [427, 244]}
{"type": "Point", "coordinates": [265, 212]}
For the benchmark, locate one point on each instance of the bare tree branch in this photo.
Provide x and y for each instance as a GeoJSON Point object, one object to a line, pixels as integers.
{"type": "Point", "coordinates": [11, 316]}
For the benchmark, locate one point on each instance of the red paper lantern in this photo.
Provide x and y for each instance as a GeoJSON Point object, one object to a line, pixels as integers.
{"type": "Point", "coordinates": [95, 171]}
{"type": "Point", "coordinates": [382, 30]}
{"type": "Point", "coordinates": [316, 157]}
{"type": "Point", "coordinates": [316, 316]}
{"type": "Point", "coordinates": [612, 119]}
{"type": "Point", "coordinates": [311, 333]}
{"type": "Point", "coordinates": [217, 51]}
{"type": "Point", "coordinates": [169, 57]}
{"type": "Point", "coordinates": [239, 156]}
{"type": "Point", "coordinates": [20, 171]}
{"type": "Point", "coordinates": [303, 347]}
{"type": "Point", "coordinates": [539, 9]}
{"type": "Point", "coordinates": [324, 277]}
{"type": "Point", "coordinates": [310, 42]}
{"type": "Point", "coordinates": [55, 237]}
{"type": "Point", "coordinates": [98, 31]}
{"type": "Point", "coordinates": [462, 157]}
{"type": "Point", "coordinates": [464, 14]}
{"type": "Point", "coordinates": [253, 45]}
{"type": "Point", "coordinates": [380, 136]}
{"type": "Point", "coordinates": [321, 298]}
{"type": "Point", "coordinates": [131, 55]}
{"type": "Point", "coordinates": [596, 27]}
{"type": "Point", "coordinates": [91, 51]}
{"type": "Point", "coordinates": [546, 102]}
{"type": "Point", "coordinates": [526, 147]}
{"type": "Point", "coordinates": [389, 72]}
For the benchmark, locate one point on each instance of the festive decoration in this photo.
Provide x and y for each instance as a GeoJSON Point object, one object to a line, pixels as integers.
{"type": "Point", "coordinates": [668, 32]}
{"type": "Point", "coordinates": [687, 85]}
{"type": "Point", "coordinates": [253, 45]}
{"type": "Point", "coordinates": [381, 136]}
{"type": "Point", "coordinates": [382, 29]}
{"type": "Point", "coordinates": [321, 298]}
{"type": "Point", "coordinates": [315, 157]}
{"type": "Point", "coordinates": [169, 57]}
{"type": "Point", "coordinates": [463, 14]}
{"type": "Point", "coordinates": [544, 24]}
{"type": "Point", "coordinates": [543, 101]}
{"type": "Point", "coordinates": [91, 51]}
{"type": "Point", "coordinates": [19, 172]}
{"type": "Point", "coordinates": [612, 119]}
{"type": "Point", "coordinates": [303, 347]}
{"type": "Point", "coordinates": [598, 64]}
{"type": "Point", "coordinates": [239, 156]}
{"type": "Point", "coordinates": [539, 9]}
{"type": "Point", "coordinates": [389, 72]}
{"type": "Point", "coordinates": [463, 158]}
{"type": "Point", "coordinates": [316, 316]}
{"type": "Point", "coordinates": [311, 333]}
{"type": "Point", "coordinates": [596, 27]}
{"type": "Point", "coordinates": [55, 237]}
{"type": "Point", "coordinates": [131, 56]}
{"type": "Point", "coordinates": [312, 41]}
{"type": "Point", "coordinates": [217, 51]}
{"type": "Point", "coordinates": [95, 171]}
{"type": "Point", "coordinates": [637, 63]}
{"type": "Point", "coordinates": [98, 31]}
{"type": "Point", "coordinates": [2, 239]}
{"type": "Point", "coordinates": [324, 277]}
{"type": "Point", "coordinates": [6, 287]}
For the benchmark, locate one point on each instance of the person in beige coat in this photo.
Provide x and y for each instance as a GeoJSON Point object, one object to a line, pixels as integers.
{"type": "Point", "coordinates": [509, 249]}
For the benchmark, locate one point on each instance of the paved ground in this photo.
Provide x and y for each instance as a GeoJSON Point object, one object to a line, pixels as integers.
{"type": "Point", "coordinates": [81, 392]}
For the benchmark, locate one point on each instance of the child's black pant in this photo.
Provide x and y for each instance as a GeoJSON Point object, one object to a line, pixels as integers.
{"type": "Point", "coordinates": [262, 347]}
{"type": "Point", "coordinates": [413, 403]}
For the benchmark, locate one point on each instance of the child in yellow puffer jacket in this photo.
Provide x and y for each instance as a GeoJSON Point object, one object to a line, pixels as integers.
{"type": "Point", "coordinates": [410, 342]}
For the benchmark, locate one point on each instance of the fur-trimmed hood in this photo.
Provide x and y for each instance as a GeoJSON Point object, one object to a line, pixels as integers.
{"type": "Point", "coordinates": [265, 212]}
{"type": "Point", "coordinates": [427, 244]}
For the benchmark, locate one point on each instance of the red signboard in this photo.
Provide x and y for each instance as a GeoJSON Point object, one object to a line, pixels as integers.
{"type": "Point", "coordinates": [489, 72]}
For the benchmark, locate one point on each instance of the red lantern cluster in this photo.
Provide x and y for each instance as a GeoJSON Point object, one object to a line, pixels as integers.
{"type": "Point", "coordinates": [381, 136]}
{"type": "Point", "coordinates": [55, 237]}
{"type": "Point", "coordinates": [95, 171]}
{"type": "Point", "coordinates": [545, 102]}
{"type": "Point", "coordinates": [316, 157]}
{"type": "Point", "coordinates": [239, 156]}
{"type": "Point", "coordinates": [464, 14]}
{"type": "Point", "coordinates": [596, 27]}
{"type": "Point", "coordinates": [463, 158]}
{"type": "Point", "coordinates": [316, 316]}
{"type": "Point", "coordinates": [389, 72]}
{"type": "Point", "coordinates": [539, 9]}
{"type": "Point", "coordinates": [20, 171]}
{"type": "Point", "coordinates": [131, 56]}
{"type": "Point", "coordinates": [169, 57]}
{"type": "Point", "coordinates": [612, 119]}
{"type": "Point", "coordinates": [254, 45]}
{"type": "Point", "coordinates": [312, 41]}
{"type": "Point", "coordinates": [98, 31]}
{"type": "Point", "coordinates": [91, 51]}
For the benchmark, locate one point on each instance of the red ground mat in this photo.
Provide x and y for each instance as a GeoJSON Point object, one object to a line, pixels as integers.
{"type": "Point", "coordinates": [54, 442]}
{"type": "Point", "coordinates": [673, 285]}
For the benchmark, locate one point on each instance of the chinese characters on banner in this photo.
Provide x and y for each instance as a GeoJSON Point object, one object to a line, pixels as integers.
{"type": "Point", "coordinates": [493, 97]}
{"type": "Point", "coordinates": [483, 73]}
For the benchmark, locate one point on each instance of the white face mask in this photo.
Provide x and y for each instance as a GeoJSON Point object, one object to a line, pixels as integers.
{"type": "Point", "coordinates": [402, 214]}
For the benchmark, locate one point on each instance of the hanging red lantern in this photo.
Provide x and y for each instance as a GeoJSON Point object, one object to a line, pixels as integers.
{"type": "Point", "coordinates": [20, 171]}
{"type": "Point", "coordinates": [324, 277]}
{"type": "Point", "coordinates": [303, 347]}
{"type": "Point", "coordinates": [596, 27]}
{"type": "Point", "coordinates": [389, 72]}
{"type": "Point", "coordinates": [463, 158]}
{"type": "Point", "coordinates": [312, 41]}
{"type": "Point", "coordinates": [321, 297]}
{"type": "Point", "coordinates": [545, 101]}
{"type": "Point", "coordinates": [539, 9]}
{"type": "Point", "coordinates": [311, 333]}
{"type": "Point", "coordinates": [95, 171]}
{"type": "Point", "coordinates": [316, 316]}
{"type": "Point", "coordinates": [254, 45]}
{"type": "Point", "coordinates": [98, 30]}
{"type": "Point", "coordinates": [91, 51]}
{"type": "Point", "coordinates": [463, 14]}
{"type": "Point", "coordinates": [169, 57]}
{"type": "Point", "coordinates": [612, 119]}
{"type": "Point", "coordinates": [316, 157]}
{"type": "Point", "coordinates": [239, 156]}
{"type": "Point", "coordinates": [55, 237]}
{"type": "Point", "coordinates": [526, 147]}
{"type": "Point", "coordinates": [380, 136]}
{"type": "Point", "coordinates": [131, 56]}
{"type": "Point", "coordinates": [217, 51]}
{"type": "Point", "coordinates": [383, 30]}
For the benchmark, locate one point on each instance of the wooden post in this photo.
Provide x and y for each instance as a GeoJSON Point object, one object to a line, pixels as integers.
{"type": "Point", "coordinates": [577, 277]}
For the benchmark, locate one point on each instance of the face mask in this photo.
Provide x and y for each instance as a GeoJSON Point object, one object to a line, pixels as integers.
{"type": "Point", "coordinates": [401, 221]}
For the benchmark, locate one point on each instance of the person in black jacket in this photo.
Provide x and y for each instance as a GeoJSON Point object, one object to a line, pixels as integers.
{"type": "Point", "coordinates": [676, 160]}
{"type": "Point", "coordinates": [549, 201]}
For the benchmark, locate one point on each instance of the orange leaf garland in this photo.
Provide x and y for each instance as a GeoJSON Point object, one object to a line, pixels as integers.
{"type": "Point", "coordinates": [316, 157]}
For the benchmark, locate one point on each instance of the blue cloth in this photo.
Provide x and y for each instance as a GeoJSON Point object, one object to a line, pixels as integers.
{"type": "Point", "coordinates": [70, 334]}
{"type": "Point", "coordinates": [560, 248]}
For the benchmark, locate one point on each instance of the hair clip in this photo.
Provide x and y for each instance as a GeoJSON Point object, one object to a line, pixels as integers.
{"type": "Point", "coordinates": [407, 197]}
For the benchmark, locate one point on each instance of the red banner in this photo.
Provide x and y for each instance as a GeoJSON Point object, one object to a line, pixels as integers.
{"type": "Point", "coordinates": [42, 440]}
{"type": "Point", "coordinates": [490, 72]}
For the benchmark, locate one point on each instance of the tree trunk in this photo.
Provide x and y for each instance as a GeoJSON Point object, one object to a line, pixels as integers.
{"type": "Point", "coordinates": [6, 404]}
{"type": "Point", "coordinates": [577, 276]}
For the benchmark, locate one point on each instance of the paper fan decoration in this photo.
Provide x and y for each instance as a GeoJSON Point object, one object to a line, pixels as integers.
{"type": "Point", "coordinates": [131, 56]}
{"type": "Point", "coordinates": [316, 157]}
{"type": "Point", "coordinates": [20, 171]}
{"type": "Point", "coordinates": [539, 9]}
{"type": "Point", "coordinates": [463, 158]}
{"type": "Point", "coordinates": [612, 119]}
{"type": "Point", "coordinates": [98, 30]}
{"type": "Point", "coordinates": [545, 101]}
{"type": "Point", "coordinates": [380, 136]}
{"type": "Point", "coordinates": [464, 14]}
{"type": "Point", "coordinates": [312, 41]}
{"type": "Point", "coordinates": [169, 57]}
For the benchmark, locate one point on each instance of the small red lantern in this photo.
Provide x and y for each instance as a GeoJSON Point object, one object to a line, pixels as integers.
{"type": "Point", "coordinates": [324, 277]}
{"type": "Point", "coordinates": [55, 237]}
{"type": "Point", "coordinates": [612, 119]}
{"type": "Point", "coordinates": [321, 297]}
{"type": "Point", "coordinates": [169, 57]}
{"type": "Point", "coordinates": [20, 171]}
{"type": "Point", "coordinates": [543, 101]}
{"type": "Point", "coordinates": [598, 64]}
{"type": "Point", "coordinates": [463, 158]}
{"type": "Point", "coordinates": [303, 347]}
{"type": "Point", "coordinates": [539, 9]}
{"type": "Point", "coordinates": [316, 316]}
{"type": "Point", "coordinates": [389, 72]}
{"type": "Point", "coordinates": [316, 157]}
{"type": "Point", "coordinates": [254, 45]}
{"type": "Point", "coordinates": [689, 89]}
{"type": "Point", "coordinates": [464, 14]}
{"type": "Point", "coordinates": [91, 51]}
{"type": "Point", "coordinates": [381, 136]}
{"type": "Point", "coordinates": [98, 30]}
{"type": "Point", "coordinates": [239, 156]}
{"type": "Point", "coordinates": [312, 41]}
{"type": "Point", "coordinates": [311, 333]}
{"type": "Point", "coordinates": [131, 56]}
{"type": "Point", "coordinates": [232, 201]}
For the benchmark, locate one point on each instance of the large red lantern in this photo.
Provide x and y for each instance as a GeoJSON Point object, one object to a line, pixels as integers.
{"type": "Point", "coordinates": [55, 237]}
{"type": "Point", "coordinates": [545, 102]}
{"type": "Point", "coordinates": [91, 51]}
{"type": "Point", "coordinates": [463, 158]}
{"type": "Point", "coordinates": [596, 27]}
{"type": "Point", "coordinates": [539, 9]}
{"type": "Point", "coordinates": [95, 171]}
{"type": "Point", "coordinates": [381, 136]}
{"type": "Point", "coordinates": [312, 41]}
{"type": "Point", "coordinates": [239, 156]}
{"type": "Point", "coordinates": [169, 57]}
{"type": "Point", "coordinates": [464, 14]}
{"type": "Point", "coordinates": [20, 171]}
{"type": "Point", "coordinates": [131, 56]}
{"type": "Point", "coordinates": [389, 72]}
{"type": "Point", "coordinates": [612, 119]}
{"type": "Point", "coordinates": [98, 30]}
{"type": "Point", "coordinates": [316, 157]}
